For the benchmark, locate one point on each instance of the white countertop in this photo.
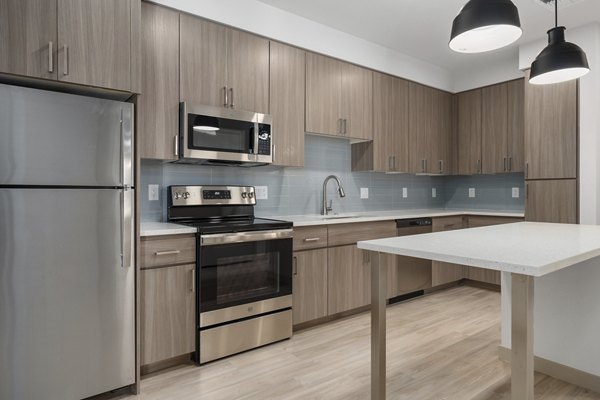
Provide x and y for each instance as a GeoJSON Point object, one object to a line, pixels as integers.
{"type": "Point", "coordinates": [317, 219]}
{"type": "Point", "coordinates": [529, 248]}
{"type": "Point", "coordinates": [164, 228]}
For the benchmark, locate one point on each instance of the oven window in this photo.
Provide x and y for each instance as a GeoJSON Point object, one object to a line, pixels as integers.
{"type": "Point", "coordinates": [219, 134]}
{"type": "Point", "coordinates": [240, 273]}
{"type": "Point", "coordinates": [247, 277]}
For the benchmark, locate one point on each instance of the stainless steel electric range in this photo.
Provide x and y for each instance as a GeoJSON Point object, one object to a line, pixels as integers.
{"type": "Point", "coordinates": [244, 269]}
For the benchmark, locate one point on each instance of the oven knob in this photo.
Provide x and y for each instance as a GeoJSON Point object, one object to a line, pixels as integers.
{"type": "Point", "coordinates": [186, 195]}
{"type": "Point", "coordinates": [177, 196]}
{"type": "Point", "coordinates": [251, 194]}
{"type": "Point", "coordinates": [244, 195]}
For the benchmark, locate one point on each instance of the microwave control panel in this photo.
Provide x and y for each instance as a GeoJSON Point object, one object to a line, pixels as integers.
{"type": "Point", "coordinates": [264, 139]}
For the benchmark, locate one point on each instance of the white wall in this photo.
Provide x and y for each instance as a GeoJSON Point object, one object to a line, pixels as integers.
{"type": "Point", "coordinates": [505, 69]}
{"type": "Point", "coordinates": [256, 17]}
{"type": "Point", "coordinates": [567, 303]}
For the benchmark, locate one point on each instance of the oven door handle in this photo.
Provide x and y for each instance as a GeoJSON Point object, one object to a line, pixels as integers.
{"type": "Point", "coordinates": [241, 237]}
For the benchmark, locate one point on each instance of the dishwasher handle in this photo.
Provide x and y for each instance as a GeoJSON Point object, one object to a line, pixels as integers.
{"type": "Point", "coordinates": [412, 222]}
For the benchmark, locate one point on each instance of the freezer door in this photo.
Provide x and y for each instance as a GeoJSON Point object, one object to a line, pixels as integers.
{"type": "Point", "coordinates": [49, 138]}
{"type": "Point", "coordinates": [66, 301]}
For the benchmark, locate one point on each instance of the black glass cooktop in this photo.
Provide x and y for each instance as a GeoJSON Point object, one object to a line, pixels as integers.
{"type": "Point", "coordinates": [236, 225]}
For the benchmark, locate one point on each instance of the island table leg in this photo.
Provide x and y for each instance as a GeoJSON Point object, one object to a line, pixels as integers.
{"type": "Point", "coordinates": [522, 373]}
{"type": "Point", "coordinates": [378, 345]}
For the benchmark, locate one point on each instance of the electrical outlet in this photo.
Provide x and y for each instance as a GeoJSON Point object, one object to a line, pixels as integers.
{"type": "Point", "coordinates": [515, 193]}
{"type": "Point", "coordinates": [404, 192]}
{"type": "Point", "coordinates": [364, 193]}
{"type": "Point", "coordinates": [471, 192]}
{"type": "Point", "coordinates": [153, 192]}
{"type": "Point", "coordinates": [262, 192]}
{"type": "Point", "coordinates": [433, 192]}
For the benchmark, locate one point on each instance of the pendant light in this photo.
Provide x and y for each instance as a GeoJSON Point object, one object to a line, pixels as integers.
{"type": "Point", "coordinates": [560, 61]}
{"type": "Point", "coordinates": [485, 25]}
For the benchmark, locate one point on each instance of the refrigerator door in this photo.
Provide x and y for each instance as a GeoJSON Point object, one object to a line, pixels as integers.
{"type": "Point", "coordinates": [49, 138]}
{"type": "Point", "coordinates": [66, 301]}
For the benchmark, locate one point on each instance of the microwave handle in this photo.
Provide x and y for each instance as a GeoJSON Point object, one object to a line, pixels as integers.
{"type": "Point", "coordinates": [256, 133]}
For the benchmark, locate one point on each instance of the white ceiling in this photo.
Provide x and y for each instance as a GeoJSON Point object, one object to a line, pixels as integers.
{"type": "Point", "coordinates": [421, 28]}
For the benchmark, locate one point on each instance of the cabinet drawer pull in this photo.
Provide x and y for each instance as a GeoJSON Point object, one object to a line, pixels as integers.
{"type": "Point", "coordinates": [176, 146]}
{"type": "Point", "coordinates": [66, 55]}
{"type": "Point", "coordinates": [50, 57]}
{"type": "Point", "coordinates": [478, 166]}
{"type": "Point", "coordinates": [167, 253]}
{"type": "Point", "coordinates": [231, 97]}
{"type": "Point", "coordinates": [509, 164]}
{"type": "Point", "coordinates": [441, 166]}
{"type": "Point", "coordinates": [295, 265]}
{"type": "Point", "coordinates": [505, 165]}
{"type": "Point", "coordinates": [314, 239]}
{"type": "Point", "coordinates": [225, 98]}
{"type": "Point", "coordinates": [193, 288]}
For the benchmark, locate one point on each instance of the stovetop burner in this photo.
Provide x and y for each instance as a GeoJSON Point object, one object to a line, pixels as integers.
{"type": "Point", "coordinates": [218, 209]}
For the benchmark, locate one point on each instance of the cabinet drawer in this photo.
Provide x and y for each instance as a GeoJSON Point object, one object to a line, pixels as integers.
{"type": "Point", "coordinates": [341, 234]}
{"type": "Point", "coordinates": [448, 223]}
{"type": "Point", "coordinates": [482, 220]}
{"type": "Point", "coordinates": [168, 251]}
{"type": "Point", "coordinates": [310, 237]}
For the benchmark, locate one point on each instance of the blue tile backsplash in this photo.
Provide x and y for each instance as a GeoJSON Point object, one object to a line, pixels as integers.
{"type": "Point", "coordinates": [293, 191]}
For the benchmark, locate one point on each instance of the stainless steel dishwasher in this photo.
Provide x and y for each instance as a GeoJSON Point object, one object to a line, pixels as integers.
{"type": "Point", "coordinates": [409, 276]}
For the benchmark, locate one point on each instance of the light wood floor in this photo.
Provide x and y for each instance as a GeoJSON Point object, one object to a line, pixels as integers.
{"type": "Point", "coordinates": [442, 346]}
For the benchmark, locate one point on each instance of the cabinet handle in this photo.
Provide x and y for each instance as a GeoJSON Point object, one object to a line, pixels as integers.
{"type": "Point", "coordinates": [193, 288]}
{"type": "Point", "coordinates": [422, 165]}
{"type": "Point", "coordinates": [225, 98]}
{"type": "Point", "coordinates": [66, 56]}
{"type": "Point", "coordinates": [50, 57]}
{"type": "Point", "coordinates": [167, 253]}
{"type": "Point", "coordinates": [314, 239]}
{"type": "Point", "coordinates": [441, 166]}
{"type": "Point", "coordinates": [231, 97]}
{"type": "Point", "coordinates": [345, 126]}
{"type": "Point", "coordinates": [509, 164]}
{"type": "Point", "coordinates": [394, 158]}
{"type": "Point", "coordinates": [505, 164]}
{"type": "Point", "coordinates": [527, 191]}
{"type": "Point", "coordinates": [426, 165]}
{"type": "Point", "coordinates": [295, 265]}
{"type": "Point", "coordinates": [526, 170]}
{"type": "Point", "coordinates": [390, 167]}
{"type": "Point", "coordinates": [176, 145]}
{"type": "Point", "coordinates": [478, 166]}
{"type": "Point", "coordinates": [339, 127]}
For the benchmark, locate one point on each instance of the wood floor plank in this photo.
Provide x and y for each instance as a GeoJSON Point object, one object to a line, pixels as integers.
{"type": "Point", "coordinates": [441, 346]}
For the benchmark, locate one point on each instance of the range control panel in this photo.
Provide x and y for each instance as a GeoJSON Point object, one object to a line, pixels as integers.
{"type": "Point", "coordinates": [211, 195]}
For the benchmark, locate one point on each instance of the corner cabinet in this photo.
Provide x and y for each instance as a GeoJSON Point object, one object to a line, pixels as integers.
{"type": "Point", "coordinates": [158, 105]}
{"type": "Point", "coordinates": [430, 130]}
{"type": "Point", "coordinates": [287, 83]}
{"type": "Point", "coordinates": [88, 42]}
{"type": "Point", "coordinates": [469, 132]}
{"type": "Point", "coordinates": [338, 98]}
{"type": "Point", "coordinates": [223, 67]}
{"type": "Point", "coordinates": [551, 200]}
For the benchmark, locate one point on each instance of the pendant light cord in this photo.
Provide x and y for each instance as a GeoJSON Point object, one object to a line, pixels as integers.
{"type": "Point", "coordinates": [555, 13]}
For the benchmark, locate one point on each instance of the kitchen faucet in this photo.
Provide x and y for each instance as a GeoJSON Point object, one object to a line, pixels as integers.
{"type": "Point", "coordinates": [325, 209]}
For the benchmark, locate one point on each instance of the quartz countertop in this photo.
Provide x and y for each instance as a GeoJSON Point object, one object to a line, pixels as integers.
{"type": "Point", "coordinates": [317, 219]}
{"type": "Point", "coordinates": [528, 248]}
{"type": "Point", "coordinates": [164, 228]}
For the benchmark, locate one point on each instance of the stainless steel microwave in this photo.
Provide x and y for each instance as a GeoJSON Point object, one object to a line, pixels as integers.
{"type": "Point", "coordinates": [221, 136]}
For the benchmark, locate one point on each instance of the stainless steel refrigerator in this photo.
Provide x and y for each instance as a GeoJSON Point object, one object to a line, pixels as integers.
{"type": "Point", "coordinates": [67, 328]}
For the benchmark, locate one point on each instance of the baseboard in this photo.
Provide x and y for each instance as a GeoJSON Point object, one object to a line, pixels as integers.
{"type": "Point", "coordinates": [482, 285]}
{"type": "Point", "coordinates": [165, 364]}
{"type": "Point", "coordinates": [559, 371]}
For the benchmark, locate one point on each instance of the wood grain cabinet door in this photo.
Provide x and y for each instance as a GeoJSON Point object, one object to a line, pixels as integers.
{"type": "Point", "coordinates": [310, 285]}
{"type": "Point", "coordinates": [323, 95]}
{"type": "Point", "coordinates": [248, 71]}
{"type": "Point", "coordinates": [420, 126]}
{"type": "Point", "coordinates": [348, 278]}
{"type": "Point", "coordinates": [357, 102]}
{"type": "Point", "coordinates": [440, 144]}
{"type": "Point", "coordinates": [287, 83]}
{"type": "Point", "coordinates": [94, 38]}
{"type": "Point", "coordinates": [469, 132]}
{"type": "Point", "coordinates": [551, 131]}
{"type": "Point", "coordinates": [494, 129]}
{"type": "Point", "coordinates": [203, 61]}
{"type": "Point", "coordinates": [383, 122]}
{"type": "Point", "coordinates": [168, 307]}
{"type": "Point", "coordinates": [28, 44]}
{"type": "Point", "coordinates": [158, 106]}
{"type": "Point", "coordinates": [443, 272]}
{"type": "Point", "coordinates": [516, 125]}
{"type": "Point", "coordinates": [551, 201]}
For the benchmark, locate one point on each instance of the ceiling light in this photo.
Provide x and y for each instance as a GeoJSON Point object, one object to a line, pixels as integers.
{"type": "Point", "coordinates": [560, 61]}
{"type": "Point", "coordinates": [485, 25]}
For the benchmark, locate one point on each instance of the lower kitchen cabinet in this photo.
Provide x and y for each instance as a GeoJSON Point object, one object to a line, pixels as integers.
{"type": "Point", "coordinates": [168, 308]}
{"type": "Point", "coordinates": [551, 201]}
{"type": "Point", "coordinates": [406, 275]}
{"type": "Point", "coordinates": [349, 278]}
{"type": "Point", "coordinates": [309, 285]}
{"type": "Point", "coordinates": [443, 272]}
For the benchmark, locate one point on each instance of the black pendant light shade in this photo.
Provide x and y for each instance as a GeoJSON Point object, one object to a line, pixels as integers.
{"type": "Point", "coordinates": [560, 61]}
{"type": "Point", "coordinates": [485, 25]}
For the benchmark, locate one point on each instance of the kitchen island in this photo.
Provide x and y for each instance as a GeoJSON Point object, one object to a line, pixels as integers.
{"type": "Point", "coordinates": [525, 250]}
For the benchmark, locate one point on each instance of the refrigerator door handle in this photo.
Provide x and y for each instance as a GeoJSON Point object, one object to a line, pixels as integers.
{"type": "Point", "coordinates": [126, 226]}
{"type": "Point", "coordinates": [126, 168]}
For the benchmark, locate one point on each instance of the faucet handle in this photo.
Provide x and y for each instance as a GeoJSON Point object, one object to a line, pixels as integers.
{"type": "Point", "coordinates": [330, 206]}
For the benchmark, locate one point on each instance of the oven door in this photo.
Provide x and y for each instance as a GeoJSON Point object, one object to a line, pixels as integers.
{"type": "Point", "coordinates": [253, 269]}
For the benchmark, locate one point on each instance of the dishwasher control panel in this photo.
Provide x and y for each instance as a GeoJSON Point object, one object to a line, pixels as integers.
{"type": "Point", "coordinates": [413, 222]}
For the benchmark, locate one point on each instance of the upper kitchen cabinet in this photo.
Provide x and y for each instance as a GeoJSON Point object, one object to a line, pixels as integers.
{"type": "Point", "coordinates": [502, 127]}
{"type": "Point", "coordinates": [223, 67]}
{"type": "Point", "coordinates": [287, 83]}
{"type": "Point", "coordinates": [430, 130]}
{"type": "Point", "coordinates": [388, 152]}
{"type": "Point", "coordinates": [158, 106]}
{"type": "Point", "coordinates": [338, 98]}
{"type": "Point", "coordinates": [469, 132]}
{"type": "Point", "coordinates": [28, 38]}
{"type": "Point", "coordinates": [87, 42]}
{"type": "Point", "coordinates": [551, 131]}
